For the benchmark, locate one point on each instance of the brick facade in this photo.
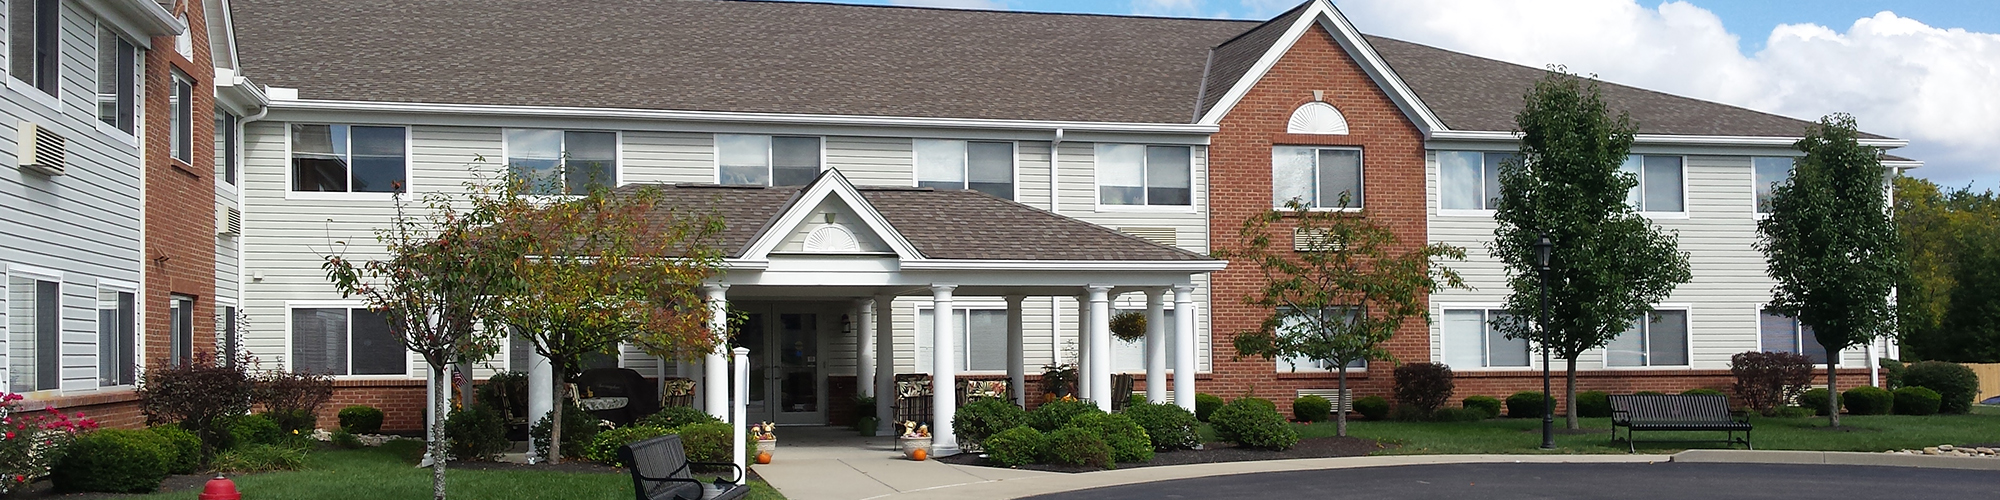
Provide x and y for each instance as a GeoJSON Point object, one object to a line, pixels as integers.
{"type": "Point", "coordinates": [180, 196]}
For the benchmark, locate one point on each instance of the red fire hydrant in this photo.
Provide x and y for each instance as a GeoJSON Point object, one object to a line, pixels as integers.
{"type": "Point", "coordinates": [220, 488]}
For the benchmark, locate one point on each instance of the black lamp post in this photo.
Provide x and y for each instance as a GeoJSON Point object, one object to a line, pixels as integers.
{"type": "Point", "coordinates": [1543, 247]}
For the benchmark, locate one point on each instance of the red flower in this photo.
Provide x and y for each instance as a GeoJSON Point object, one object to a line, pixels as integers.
{"type": "Point", "coordinates": [10, 435]}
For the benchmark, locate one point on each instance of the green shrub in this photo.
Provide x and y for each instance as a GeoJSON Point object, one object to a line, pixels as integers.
{"type": "Point", "coordinates": [676, 416]}
{"type": "Point", "coordinates": [1593, 404]}
{"type": "Point", "coordinates": [1892, 372]}
{"type": "Point", "coordinates": [1056, 414]}
{"type": "Point", "coordinates": [261, 458]}
{"type": "Point", "coordinates": [247, 430]}
{"type": "Point", "coordinates": [1311, 408]}
{"type": "Point", "coordinates": [290, 421]}
{"type": "Point", "coordinates": [579, 428]}
{"type": "Point", "coordinates": [1868, 400]}
{"type": "Point", "coordinates": [112, 461]}
{"type": "Point", "coordinates": [202, 395]}
{"type": "Point", "coordinates": [1649, 393]}
{"type": "Point", "coordinates": [1169, 426]}
{"type": "Point", "coordinates": [361, 419]}
{"type": "Point", "coordinates": [506, 392]}
{"type": "Point", "coordinates": [1372, 407]}
{"type": "Point", "coordinates": [1128, 441]}
{"type": "Point", "coordinates": [1205, 405]}
{"type": "Point", "coordinates": [1016, 447]}
{"type": "Point", "coordinates": [1793, 412]}
{"type": "Point", "coordinates": [1526, 404]}
{"type": "Point", "coordinates": [1423, 386]}
{"type": "Point", "coordinates": [984, 417]}
{"type": "Point", "coordinates": [604, 448]}
{"type": "Point", "coordinates": [475, 433]}
{"type": "Point", "coordinates": [1486, 405]}
{"type": "Point", "coordinates": [1814, 398]}
{"type": "Point", "coordinates": [1077, 446]}
{"type": "Point", "coordinates": [1953, 382]}
{"type": "Point", "coordinates": [1917, 400]}
{"type": "Point", "coordinates": [346, 440]}
{"type": "Point", "coordinates": [1458, 415]}
{"type": "Point", "coordinates": [710, 442]}
{"type": "Point", "coordinates": [1253, 422]}
{"type": "Point", "coordinates": [1407, 413]}
{"type": "Point", "coordinates": [1704, 391]}
{"type": "Point", "coordinates": [183, 448]}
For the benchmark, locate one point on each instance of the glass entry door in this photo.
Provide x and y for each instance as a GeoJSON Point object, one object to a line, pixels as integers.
{"type": "Point", "coordinates": [786, 385]}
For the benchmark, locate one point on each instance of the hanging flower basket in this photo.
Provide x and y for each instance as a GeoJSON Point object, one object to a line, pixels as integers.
{"type": "Point", "coordinates": [1129, 326]}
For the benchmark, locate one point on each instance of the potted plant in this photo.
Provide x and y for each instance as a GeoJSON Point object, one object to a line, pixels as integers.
{"type": "Point", "coordinates": [915, 443]}
{"type": "Point", "coordinates": [1129, 326]}
{"type": "Point", "coordinates": [767, 438]}
{"type": "Point", "coordinates": [1058, 381]}
{"type": "Point", "coordinates": [864, 406]}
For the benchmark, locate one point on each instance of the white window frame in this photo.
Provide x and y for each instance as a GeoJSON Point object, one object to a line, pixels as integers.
{"type": "Point", "coordinates": [1758, 213]}
{"type": "Point", "coordinates": [1604, 353]}
{"type": "Point", "coordinates": [51, 97]}
{"type": "Point", "coordinates": [176, 123]}
{"type": "Point", "coordinates": [1641, 188]}
{"type": "Point", "coordinates": [290, 305]}
{"type": "Point", "coordinates": [617, 155]}
{"type": "Point", "coordinates": [1798, 335]}
{"type": "Point", "coordinates": [1488, 309]}
{"type": "Point", "coordinates": [1097, 190]}
{"type": "Point", "coordinates": [233, 151]}
{"type": "Point", "coordinates": [175, 301]}
{"type": "Point", "coordinates": [1278, 365]}
{"type": "Point", "coordinates": [965, 154]}
{"type": "Point", "coordinates": [1360, 173]}
{"type": "Point", "coordinates": [221, 332]}
{"type": "Point", "coordinates": [1437, 165]}
{"type": "Point", "coordinates": [35, 274]}
{"type": "Point", "coordinates": [715, 155]}
{"type": "Point", "coordinates": [963, 342]}
{"type": "Point", "coordinates": [138, 333]}
{"type": "Point", "coordinates": [410, 190]}
{"type": "Point", "coordinates": [138, 88]}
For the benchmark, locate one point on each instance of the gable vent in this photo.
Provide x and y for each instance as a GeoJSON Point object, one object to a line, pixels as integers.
{"type": "Point", "coordinates": [1309, 240]}
{"type": "Point", "coordinates": [228, 221]}
{"type": "Point", "coordinates": [1163, 235]}
{"type": "Point", "coordinates": [41, 150]}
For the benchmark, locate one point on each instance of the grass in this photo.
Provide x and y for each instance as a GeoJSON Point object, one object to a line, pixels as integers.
{"type": "Point", "coordinates": [389, 471]}
{"type": "Point", "coordinates": [1870, 433]}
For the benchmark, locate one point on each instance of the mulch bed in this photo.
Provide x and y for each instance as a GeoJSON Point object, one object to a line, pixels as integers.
{"type": "Point", "coordinates": [1325, 447]}
{"type": "Point", "coordinates": [45, 489]}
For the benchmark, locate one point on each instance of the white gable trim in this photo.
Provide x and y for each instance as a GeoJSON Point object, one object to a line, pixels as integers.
{"type": "Point", "coordinates": [829, 184]}
{"type": "Point", "coordinates": [1324, 14]}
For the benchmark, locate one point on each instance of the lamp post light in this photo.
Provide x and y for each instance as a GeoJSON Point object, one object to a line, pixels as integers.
{"type": "Point", "coordinates": [1543, 247]}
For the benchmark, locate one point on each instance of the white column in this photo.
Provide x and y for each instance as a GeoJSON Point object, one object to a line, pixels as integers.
{"type": "Point", "coordinates": [944, 374]}
{"type": "Point", "coordinates": [1017, 359]}
{"type": "Point", "coordinates": [1156, 346]}
{"type": "Point", "coordinates": [738, 412]}
{"type": "Point", "coordinates": [885, 364]}
{"type": "Point", "coordinates": [1100, 346]}
{"type": "Point", "coordinates": [715, 376]}
{"type": "Point", "coordinates": [1083, 347]}
{"type": "Point", "coordinates": [1184, 370]}
{"type": "Point", "coordinates": [541, 393]}
{"type": "Point", "coordinates": [864, 348]}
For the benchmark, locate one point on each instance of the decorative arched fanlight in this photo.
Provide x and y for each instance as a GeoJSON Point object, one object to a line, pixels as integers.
{"type": "Point", "coordinates": [1317, 118]}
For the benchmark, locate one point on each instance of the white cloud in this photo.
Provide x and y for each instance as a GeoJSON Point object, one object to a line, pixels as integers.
{"type": "Point", "coordinates": [954, 4]}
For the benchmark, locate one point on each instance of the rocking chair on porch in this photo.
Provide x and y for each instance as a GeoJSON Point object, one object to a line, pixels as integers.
{"type": "Point", "coordinates": [913, 397]}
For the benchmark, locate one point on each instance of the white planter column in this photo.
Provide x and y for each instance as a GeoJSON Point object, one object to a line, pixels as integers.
{"type": "Point", "coordinates": [715, 368]}
{"type": "Point", "coordinates": [1083, 347]}
{"type": "Point", "coordinates": [1017, 372]}
{"type": "Point", "coordinates": [885, 364]}
{"type": "Point", "coordinates": [737, 412]}
{"type": "Point", "coordinates": [541, 394]}
{"type": "Point", "coordinates": [1184, 370]}
{"type": "Point", "coordinates": [1156, 346]}
{"type": "Point", "coordinates": [1100, 345]}
{"type": "Point", "coordinates": [864, 348]}
{"type": "Point", "coordinates": [944, 375]}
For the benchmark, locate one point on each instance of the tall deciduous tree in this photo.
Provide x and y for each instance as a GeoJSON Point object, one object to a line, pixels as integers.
{"type": "Point", "coordinates": [1831, 245]}
{"type": "Point", "coordinates": [1609, 264]}
{"type": "Point", "coordinates": [1340, 296]}
{"type": "Point", "coordinates": [1949, 239]}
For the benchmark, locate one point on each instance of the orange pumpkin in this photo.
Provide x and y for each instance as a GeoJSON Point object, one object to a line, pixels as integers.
{"type": "Point", "coordinates": [920, 454]}
{"type": "Point", "coordinates": [763, 457]}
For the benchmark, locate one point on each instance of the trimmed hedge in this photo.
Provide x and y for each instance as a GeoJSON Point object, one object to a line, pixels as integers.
{"type": "Point", "coordinates": [1814, 398]}
{"type": "Point", "coordinates": [1017, 446]}
{"type": "Point", "coordinates": [1205, 404]}
{"type": "Point", "coordinates": [361, 419]}
{"type": "Point", "coordinates": [183, 448]}
{"type": "Point", "coordinates": [676, 416]}
{"type": "Point", "coordinates": [1703, 391]}
{"type": "Point", "coordinates": [112, 461]}
{"type": "Point", "coordinates": [1077, 446]}
{"type": "Point", "coordinates": [1868, 400]}
{"type": "Point", "coordinates": [1525, 404]}
{"type": "Point", "coordinates": [1917, 400]}
{"type": "Point", "coordinates": [1485, 405]}
{"type": "Point", "coordinates": [475, 433]}
{"type": "Point", "coordinates": [1311, 408]}
{"type": "Point", "coordinates": [1953, 382]}
{"type": "Point", "coordinates": [1056, 414]}
{"type": "Point", "coordinates": [985, 417]}
{"type": "Point", "coordinates": [1372, 407]}
{"type": "Point", "coordinates": [1255, 423]}
{"type": "Point", "coordinates": [604, 448]}
{"type": "Point", "coordinates": [1169, 426]}
{"type": "Point", "coordinates": [247, 430]}
{"type": "Point", "coordinates": [1593, 404]}
{"type": "Point", "coordinates": [1128, 441]}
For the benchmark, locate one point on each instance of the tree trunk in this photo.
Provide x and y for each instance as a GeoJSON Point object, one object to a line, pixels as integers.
{"type": "Point", "coordinates": [556, 420]}
{"type": "Point", "coordinates": [1832, 395]}
{"type": "Point", "coordinates": [439, 396]}
{"type": "Point", "coordinates": [1569, 391]}
{"type": "Point", "coordinates": [1340, 405]}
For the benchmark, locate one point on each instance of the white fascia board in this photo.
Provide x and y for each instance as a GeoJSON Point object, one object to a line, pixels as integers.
{"type": "Point", "coordinates": [1903, 165]}
{"type": "Point", "coordinates": [1188, 266]}
{"type": "Point", "coordinates": [281, 102]}
{"type": "Point", "coordinates": [141, 20]}
{"type": "Point", "coordinates": [1664, 139]}
{"type": "Point", "coordinates": [1324, 14]}
{"type": "Point", "coordinates": [241, 96]}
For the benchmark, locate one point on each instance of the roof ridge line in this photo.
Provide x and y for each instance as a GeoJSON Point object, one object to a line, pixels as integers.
{"type": "Point", "coordinates": [992, 11]}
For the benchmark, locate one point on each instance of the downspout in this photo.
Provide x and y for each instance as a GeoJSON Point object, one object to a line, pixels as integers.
{"type": "Point", "coordinates": [1055, 157]}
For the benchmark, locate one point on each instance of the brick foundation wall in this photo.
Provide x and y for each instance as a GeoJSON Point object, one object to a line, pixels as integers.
{"type": "Point", "coordinates": [119, 409]}
{"type": "Point", "coordinates": [401, 401]}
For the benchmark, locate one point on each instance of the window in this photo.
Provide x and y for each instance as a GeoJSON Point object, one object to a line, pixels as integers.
{"type": "Point", "coordinates": [1131, 356]}
{"type": "Point", "coordinates": [519, 350]}
{"type": "Point", "coordinates": [762, 160]}
{"type": "Point", "coordinates": [1470, 180]}
{"type": "Point", "coordinates": [986, 167]}
{"type": "Point", "coordinates": [231, 344]}
{"type": "Point", "coordinates": [1780, 333]}
{"type": "Point", "coordinates": [1318, 177]}
{"type": "Point", "coordinates": [1659, 340]}
{"type": "Point", "coordinates": [34, 329]}
{"type": "Point", "coordinates": [184, 42]}
{"type": "Point", "coordinates": [116, 346]}
{"type": "Point", "coordinates": [1659, 188]}
{"type": "Point", "coordinates": [979, 339]}
{"type": "Point", "coordinates": [343, 158]}
{"type": "Point", "coordinates": [563, 162]}
{"type": "Point", "coordinates": [1472, 339]}
{"type": "Point", "coordinates": [34, 30]}
{"type": "Point", "coordinates": [1769, 173]}
{"type": "Point", "coordinates": [180, 322]}
{"type": "Point", "coordinates": [225, 145]}
{"type": "Point", "coordinates": [1301, 363]}
{"type": "Point", "coordinates": [182, 120]}
{"type": "Point", "coordinates": [345, 341]}
{"type": "Point", "coordinates": [1130, 174]}
{"type": "Point", "coordinates": [117, 80]}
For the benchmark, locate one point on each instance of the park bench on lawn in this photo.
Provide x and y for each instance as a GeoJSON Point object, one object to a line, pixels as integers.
{"type": "Point", "coordinates": [660, 472]}
{"type": "Point", "coordinates": [1675, 412]}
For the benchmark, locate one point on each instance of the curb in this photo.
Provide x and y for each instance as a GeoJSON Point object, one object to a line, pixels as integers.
{"type": "Point", "coordinates": [1836, 458]}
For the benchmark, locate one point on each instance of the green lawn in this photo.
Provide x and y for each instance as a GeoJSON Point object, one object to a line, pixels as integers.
{"type": "Point", "coordinates": [389, 471]}
{"type": "Point", "coordinates": [1858, 433]}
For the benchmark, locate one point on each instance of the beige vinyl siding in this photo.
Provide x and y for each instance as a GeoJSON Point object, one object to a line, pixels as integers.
{"type": "Point", "coordinates": [675, 157]}
{"type": "Point", "coordinates": [872, 161]}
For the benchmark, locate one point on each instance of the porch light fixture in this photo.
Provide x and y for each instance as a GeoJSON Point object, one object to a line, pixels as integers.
{"type": "Point", "coordinates": [1543, 247]}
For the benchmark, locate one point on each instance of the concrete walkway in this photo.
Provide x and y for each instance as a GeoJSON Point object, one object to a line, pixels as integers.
{"type": "Point", "coordinates": [834, 463]}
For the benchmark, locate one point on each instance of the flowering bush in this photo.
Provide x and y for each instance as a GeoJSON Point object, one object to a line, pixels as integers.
{"type": "Point", "coordinates": [30, 444]}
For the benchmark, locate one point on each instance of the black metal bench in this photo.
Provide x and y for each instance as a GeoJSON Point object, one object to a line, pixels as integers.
{"type": "Point", "coordinates": [660, 471]}
{"type": "Point", "coordinates": [1670, 412]}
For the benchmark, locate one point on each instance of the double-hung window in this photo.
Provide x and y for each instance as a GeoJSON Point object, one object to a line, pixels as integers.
{"type": "Point", "coordinates": [182, 104]}
{"type": "Point", "coordinates": [348, 159]}
{"type": "Point", "coordinates": [978, 338]}
{"type": "Point", "coordinates": [1769, 172]}
{"type": "Point", "coordinates": [345, 341]}
{"type": "Point", "coordinates": [34, 42]}
{"type": "Point", "coordinates": [1472, 339]}
{"type": "Point", "coordinates": [1300, 325]}
{"type": "Point", "coordinates": [1316, 177]}
{"type": "Point", "coordinates": [554, 162]}
{"type": "Point", "coordinates": [1469, 180]}
{"type": "Point", "coordinates": [225, 146]}
{"type": "Point", "coordinates": [1659, 339]}
{"type": "Point", "coordinates": [986, 167]}
{"type": "Point", "coordinates": [1132, 174]}
{"type": "Point", "coordinates": [34, 334]}
{"type": "Point", "coordinates": [1131, 356]}
{"type": "Point", "coordinates": [764, 160]}
{"type": "Point", "coordinates": [117, 80]}
{"type": "Point", "coordinates": [1660, 188]}
{"type": "Point", "coordinates": [231, 344]}
{"type": "Point", "coordinates": [180, 326]}
{"type": "Point", "coordinates": [116, 343]}
{"type": "Point", "coordinates": [1781, 333]}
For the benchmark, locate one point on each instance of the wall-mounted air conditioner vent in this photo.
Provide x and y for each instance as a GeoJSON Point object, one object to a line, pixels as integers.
{"type": "Point", "coordinates": [1310, 240]}
{"type": "Point", "coordinates": [41, 150]}
{"type": "Point", "coordinates": [228, 221]}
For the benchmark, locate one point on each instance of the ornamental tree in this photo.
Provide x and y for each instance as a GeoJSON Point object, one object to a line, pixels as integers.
{"type": "Point", "coordinates": [1830, 243]}
{"type": "Point", "coordinates": [1337, 299]}
{"type": "Point", "coordinates": [1609, 264]}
